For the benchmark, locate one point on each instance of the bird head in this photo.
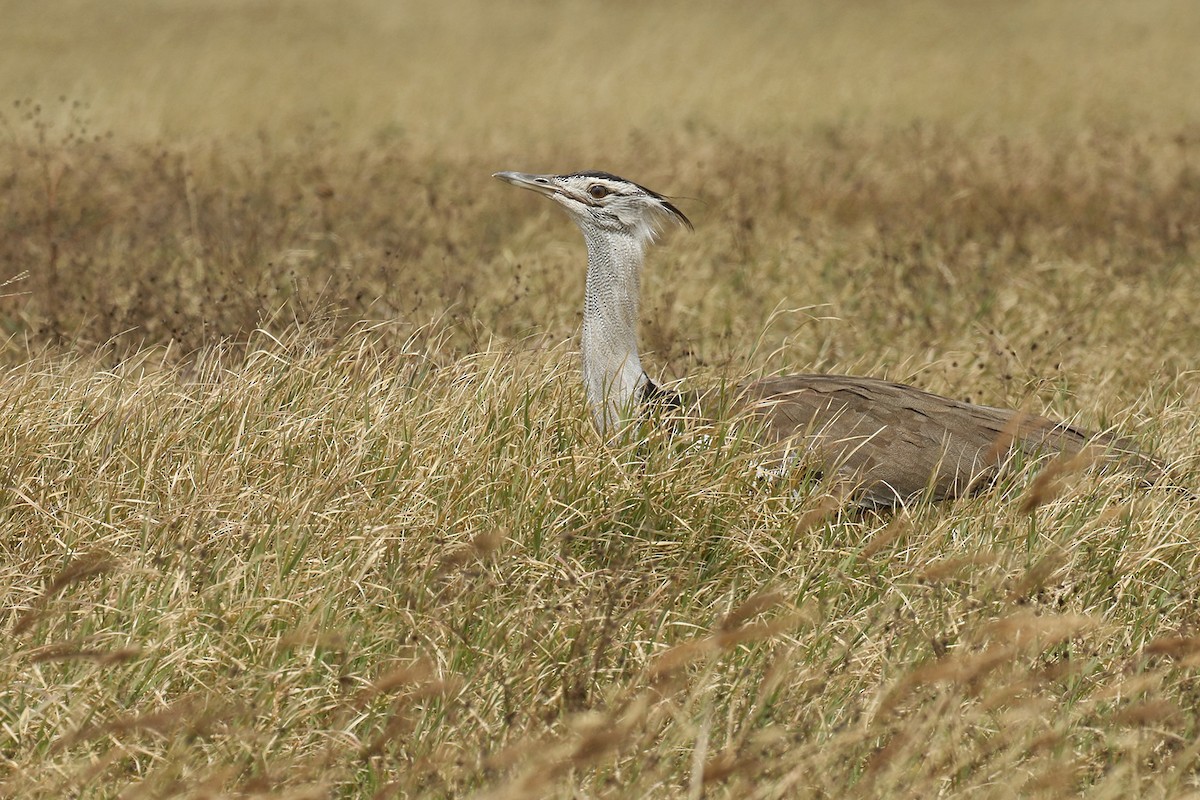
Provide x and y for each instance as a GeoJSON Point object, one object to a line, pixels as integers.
{"type": "Point", "coordinates": [602, 201]}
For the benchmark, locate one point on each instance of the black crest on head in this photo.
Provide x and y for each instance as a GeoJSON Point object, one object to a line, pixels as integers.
{"type": "Point", "coordinates": [608, 176]}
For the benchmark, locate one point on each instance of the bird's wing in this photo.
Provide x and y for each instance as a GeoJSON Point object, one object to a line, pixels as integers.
{"type": "Point", "coordinates": [892, 441]}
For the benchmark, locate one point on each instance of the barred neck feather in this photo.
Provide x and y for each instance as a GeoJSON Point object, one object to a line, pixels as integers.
{"type": "Point", "coordinates": [612, 370]}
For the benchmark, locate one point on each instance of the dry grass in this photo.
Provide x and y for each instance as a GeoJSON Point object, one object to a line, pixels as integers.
{"type": "Point", "coordinates": [465, 76]}
{"type": "Point", "coordinates": [297, 497]}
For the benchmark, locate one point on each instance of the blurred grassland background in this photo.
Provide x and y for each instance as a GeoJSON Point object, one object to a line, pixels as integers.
{"type": "Point", "coordinates": [459, 76]}
{"type": "Point", "coordinates": [297, 497]}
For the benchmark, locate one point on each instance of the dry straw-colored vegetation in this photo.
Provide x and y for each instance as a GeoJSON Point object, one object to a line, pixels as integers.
{"type": "Point", "coordinates": [296, 494]}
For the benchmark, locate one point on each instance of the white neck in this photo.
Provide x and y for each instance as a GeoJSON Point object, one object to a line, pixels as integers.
{"type": "Point", "coordinates": [612, 371]}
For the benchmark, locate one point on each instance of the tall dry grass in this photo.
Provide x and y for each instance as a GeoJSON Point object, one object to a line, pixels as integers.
{"type": "Point", "coordinates": [342, 567]}
{"type": "Point", "coordinates": [297, 498]}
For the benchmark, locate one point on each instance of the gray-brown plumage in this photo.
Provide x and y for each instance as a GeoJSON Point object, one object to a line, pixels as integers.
{"type": "Point", "coordinates": [890, 442]}
{"type": "Point", "coordinates": [894, 442]}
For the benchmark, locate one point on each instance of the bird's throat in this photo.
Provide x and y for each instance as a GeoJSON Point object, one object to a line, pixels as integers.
{"type": "Point", "coordinates": [612, 371]}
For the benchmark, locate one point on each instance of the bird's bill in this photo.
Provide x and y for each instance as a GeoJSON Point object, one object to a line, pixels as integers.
{"type": "Point", "coordinates": [542, 184]}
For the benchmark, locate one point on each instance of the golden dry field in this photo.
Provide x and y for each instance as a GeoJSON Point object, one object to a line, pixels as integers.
{"type": "Point", "coordinates": [298, 496]}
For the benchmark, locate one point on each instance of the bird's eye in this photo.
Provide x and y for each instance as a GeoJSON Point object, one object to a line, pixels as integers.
{"type": "Point", "coordinates": [598, 191]}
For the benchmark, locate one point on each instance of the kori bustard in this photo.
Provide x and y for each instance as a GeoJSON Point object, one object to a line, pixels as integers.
{"type": "Point", "coordinates": [893, 442]}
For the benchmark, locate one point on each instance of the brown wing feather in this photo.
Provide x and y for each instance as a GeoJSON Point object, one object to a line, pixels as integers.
{"type": "Point", "coordinates": [895, 442]}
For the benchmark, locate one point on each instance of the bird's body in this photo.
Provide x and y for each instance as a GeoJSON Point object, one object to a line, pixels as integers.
{"type": "Point", "coordinates": [892, 442]}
